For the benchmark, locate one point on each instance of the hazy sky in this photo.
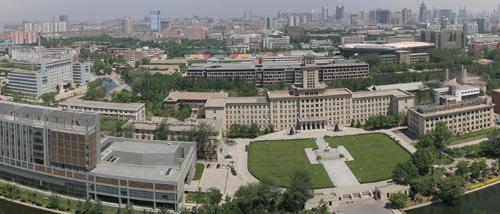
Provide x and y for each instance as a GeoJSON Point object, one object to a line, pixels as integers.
{"type": "Point", "coordinates": [18, 10]}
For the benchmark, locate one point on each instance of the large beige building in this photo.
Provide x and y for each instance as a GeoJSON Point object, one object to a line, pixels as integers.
{"type": "Point", "coordinates": [310, 106]}
{"type": "Point", "coordinates": [463, 117]}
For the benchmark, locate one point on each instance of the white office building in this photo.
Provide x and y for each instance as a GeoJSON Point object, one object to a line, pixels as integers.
{"type": "Point", "coordinates": [81, 73]}
{"type": "Point", "coordinates": [48, 74]}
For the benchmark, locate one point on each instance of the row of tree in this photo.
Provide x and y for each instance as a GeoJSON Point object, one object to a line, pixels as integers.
{"type": "Point", "coordinates": [265, 197]}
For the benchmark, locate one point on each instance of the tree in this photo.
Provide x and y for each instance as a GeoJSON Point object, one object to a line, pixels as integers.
{"type": "Point", "coordinates": [298, 192]}
{"type": "Point", "coordinates": [441, 135]}
{"type": "Point", "coordinates": [214, 196]}
{"type": "Point", "coordinates": [337, 129]}
{"type": "Point", "coordinates": [404, 173]}
{"type": "Point", "coordinates": [128, 131]}
{"type": "Point", "coordinates": [262, 197]}
{"type": "Point", "coordinates": [423, 160]}
{"type": "Point", "coordinates": [161, 131]}
{"type": "Point", "coordinates": [291, 132]}
{"type": "Point", "coordinates": [53, 202]}
{"type": "Point", "coordinates": [479, 169]}
{"type": "Point", "coordinates": [451, 189]}
{"type": "Point", "coordinates": [201, 135]}
{"type": "Point", "coordinates": [352, 124]}
{"type": "Point", "coordinates": [492, 146]}
{"type": "Point", "coordinates": [129, 209]}
{"type": "Point", "coordinates": [462, 169]}
{"type": "Point", "coordinates": [423, 185]}
{"type": "Point", "coordinates": [398, 200]}
{"type": "Point", "coordinates": [358, 124]}
{"type": "Point", "coordinates": [49, 98]}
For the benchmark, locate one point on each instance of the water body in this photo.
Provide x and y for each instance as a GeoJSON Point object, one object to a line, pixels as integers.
{"type": "Point", "coordinates": [486, 200]}
{"type": "Point", "coordinates": [109, 84]}
{"type": "Point", "coordinates": [8, 207]}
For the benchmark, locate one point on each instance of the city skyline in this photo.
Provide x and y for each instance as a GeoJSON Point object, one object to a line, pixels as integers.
{"type": "Point", "coordinates": [87, 11]}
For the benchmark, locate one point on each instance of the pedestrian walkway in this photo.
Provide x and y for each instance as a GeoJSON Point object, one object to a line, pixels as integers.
{"type": "Point", "coordinates": [322, 144]}
{"type": "Point", "coordinates": [339, 173]}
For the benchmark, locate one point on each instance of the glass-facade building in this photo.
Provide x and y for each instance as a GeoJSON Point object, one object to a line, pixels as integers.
{"type": "Point", "coordinates": [155, 21]}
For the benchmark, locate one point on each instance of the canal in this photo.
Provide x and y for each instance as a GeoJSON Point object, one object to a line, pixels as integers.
{"type": "Point", "coordinates": [8, 207]}
{"type": "Point", "coordinates": [486, 200]}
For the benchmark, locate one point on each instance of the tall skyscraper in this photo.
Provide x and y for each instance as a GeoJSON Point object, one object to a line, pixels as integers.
{"type": "Point", "coordinates": [498, 12]}
{"type": "Point", "coordinates": [64, 18]}
{"type": "Point", "coordinates": [339, 13]}
{"type": "Point", "coordinates": [127, 25]}
{"type": "Point", "coordinates": [324, 13]}
{"type": "Point", "coordinates": [383, 16]}
{"type": "Point", "coordinates": [155, 21]}
{"type": "Point", "coordinates": [423, 13]}
{"type": "Point", "coordinates": [406, 16]}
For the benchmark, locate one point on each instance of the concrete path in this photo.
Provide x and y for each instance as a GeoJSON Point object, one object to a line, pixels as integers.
{"type": "Point", "coordinates": [322, 144]}
{"type": "Point", "coordinates": [339, 173]}
{"type": "Point", "coordinates": [470, 143]}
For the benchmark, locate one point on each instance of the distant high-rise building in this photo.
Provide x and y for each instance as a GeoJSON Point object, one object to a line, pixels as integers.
{"type": "Point", "coordinates": [462, 14]}
{"type": "Point", "coordinates": [339, 13]}
{"type": "Point", "coordinates": [127, 25]}
{"type": "Point", "coordinates": [406, 16]}
{"type": "Point", "coordinates": [481, 25]}
{"type": "Point", "coordinates": [279, 14]}
{"type": "Point", "coordinates": [324, 13]}
{"type": "Point", "coordinates": [155, 21]}
{"type": "Point", "coordinates": [64, 18]}
{"type": "Point", "coordinates": [383, 16]}
{"type": "Point", "coordinates": [423, 13]}
{"type": "Point", "coordinates": [498, 12]}
{"type": "Point", "coordinates": [269, 23]}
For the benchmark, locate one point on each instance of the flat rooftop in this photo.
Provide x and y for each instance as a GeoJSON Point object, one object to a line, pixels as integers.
{"type": "Point", "coordinates": [145, 160]}
{"type": "Point", "coordinates": [412, 86]}
{"type": "Point", "coordinates": [394, 92]}
{"type": "Point", "coordinates": [102, 105]}
{"type": "Point", "coordinates": [72, 120]}
{"type": "Point", "coordinates": [178, 95]}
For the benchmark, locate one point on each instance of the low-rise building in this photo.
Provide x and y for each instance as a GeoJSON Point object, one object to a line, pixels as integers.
{"type": "Point", "coordinates": [48, 75]}
{"type": "Point", "coordinates": [177, 130]}
{"type": "Point", "coordinates": [81, 73]}
{"type": "Point", "coordinates": [273, 70]}
{"type": "Point", "coordinates": [462, 117]}
{"type": "Point", "coordinates": [62, 152]}
{"type": "Point", "coordinates": [197, 100]}
{"type": "Point", "coordinates": [127, 111]}
{"type": "Point", "coordinates": [310, 105]}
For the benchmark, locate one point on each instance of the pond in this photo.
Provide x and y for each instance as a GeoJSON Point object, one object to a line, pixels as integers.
{"type": "Point", "coordinates": [485, 200]}
{"type": "Point", "coordinates": [109, 84]}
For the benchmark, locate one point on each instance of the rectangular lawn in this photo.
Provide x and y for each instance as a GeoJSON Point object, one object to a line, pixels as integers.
{"type": "Point", "coordinates": [375, 155]}
{"type": "Point", "coordinates": [278, 160]}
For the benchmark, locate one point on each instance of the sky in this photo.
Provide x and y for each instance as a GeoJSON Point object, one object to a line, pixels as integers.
{"type": "Point", "coordinates": [14, 11]}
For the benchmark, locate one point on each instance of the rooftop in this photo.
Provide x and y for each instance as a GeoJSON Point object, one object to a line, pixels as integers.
{"type": "Point", "coordinates": [390, 92]}
{"type": "Point", "coordinates": [67, 119]}
{"type": "Point", "coordinates": [145, 160]}
{"type": "Point", "coordinates": [177, 95]}
{"type": "Point", "coordinates": [102, 105]}
{"type": "Point", "coordinates": [412, 86]}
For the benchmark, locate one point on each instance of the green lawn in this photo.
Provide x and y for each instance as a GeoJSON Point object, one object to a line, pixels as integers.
{"type": "Point", "coordinates": [199, 171]}
{"type": "Point", "coordinates": [477, 135]}
{"type": "Point", "coordinates": [375, 155]}
{"type": "Point", "coordinates": [278, 160]}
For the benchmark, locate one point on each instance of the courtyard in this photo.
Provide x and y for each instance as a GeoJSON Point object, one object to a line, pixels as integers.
{"type": "Point", "coordinates": [279, 159]}
{"type": "Point", "coordinates": [375, 155]}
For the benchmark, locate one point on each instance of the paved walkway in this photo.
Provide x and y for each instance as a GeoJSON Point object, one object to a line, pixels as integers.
{"type": "Point", "coordinates": [468, 143]}
{"type": "Point", "coordinates": [339, 173]}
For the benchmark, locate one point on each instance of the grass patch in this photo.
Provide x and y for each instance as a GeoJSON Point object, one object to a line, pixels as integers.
{"type": "Point", "coordinates": [199, 171]}
{"type": "Point", "coordinates": [278, 160]}
{"type": "Point", "coordinates": [197, 197]}
{"type": "Point", "coordinates": [65, 204]}
{"type": "Point", "coordinates": [375, 155]}
{"type": "Point", "coordinates": [477, 135]}
{"type": "Point", "coordinates": [489, 181]}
